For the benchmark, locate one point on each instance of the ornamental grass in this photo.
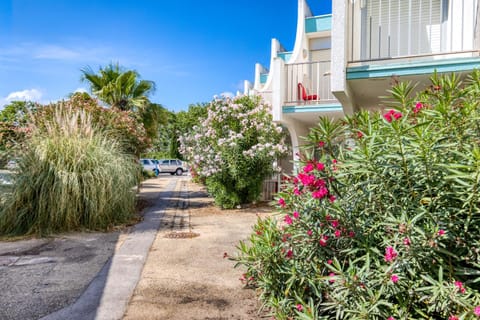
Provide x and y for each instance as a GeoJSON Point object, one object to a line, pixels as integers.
{"type": "Point", "coordinates": [70, 177]}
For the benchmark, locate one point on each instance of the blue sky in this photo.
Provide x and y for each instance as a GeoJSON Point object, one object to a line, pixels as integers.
{"type": "Point", "coordinates": [191, 49]}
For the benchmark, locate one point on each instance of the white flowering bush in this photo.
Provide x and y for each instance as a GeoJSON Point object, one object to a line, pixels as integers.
{"type": "Point", "coordinates": [234, 149]}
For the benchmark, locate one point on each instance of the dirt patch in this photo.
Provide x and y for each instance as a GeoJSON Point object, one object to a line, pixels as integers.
{"type": "Point", "coordinates": [190, 278]}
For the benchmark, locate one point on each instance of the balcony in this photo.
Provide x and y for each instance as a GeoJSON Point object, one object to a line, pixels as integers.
{"type": "Point", "coordinates": [285, 55]}
{"type": "Point", "coordinates": [318, 23]}
{"type": "Point", "coordinates": [315, 78]}
{"type": "Point", "coordinates": [396, 29]}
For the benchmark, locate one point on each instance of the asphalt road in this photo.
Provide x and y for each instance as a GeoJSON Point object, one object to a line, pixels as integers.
{"type": "Point", "coordinates": [40, 276]}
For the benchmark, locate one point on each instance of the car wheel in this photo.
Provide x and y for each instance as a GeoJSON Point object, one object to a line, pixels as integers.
{"type": "Point", "coordinates": [179, 172]}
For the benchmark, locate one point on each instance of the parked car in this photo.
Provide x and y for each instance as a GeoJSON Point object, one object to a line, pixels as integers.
{"type": "Point", "coordinates": [150, 165]}
{"type": "Point", "coordinates": [172, 166]}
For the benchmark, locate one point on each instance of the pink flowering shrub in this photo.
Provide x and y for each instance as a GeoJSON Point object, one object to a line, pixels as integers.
{"type": "Point", "coordinates": [388, 226]}
{"type": "Point", "coordinates": [234, 149]}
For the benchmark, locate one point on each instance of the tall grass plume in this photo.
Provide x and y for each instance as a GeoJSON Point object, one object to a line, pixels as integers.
{"type": "Point", "coordinates": [71, 177]}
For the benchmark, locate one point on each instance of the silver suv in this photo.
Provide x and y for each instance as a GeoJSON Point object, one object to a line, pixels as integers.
{"type": "Point", "coordinates": [172, 166]}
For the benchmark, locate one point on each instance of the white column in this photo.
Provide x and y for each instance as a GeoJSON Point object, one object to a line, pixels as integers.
{"type": "Point", "coordinates": [340, 47]}
{"type": "Point", "coordinates": [278, 88]}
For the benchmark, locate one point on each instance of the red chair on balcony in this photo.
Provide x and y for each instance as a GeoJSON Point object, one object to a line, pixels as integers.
{"type": "Point", "coordinates": [302, 93]}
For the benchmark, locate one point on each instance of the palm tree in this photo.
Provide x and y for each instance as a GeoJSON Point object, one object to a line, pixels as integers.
{"type": "Point", "coordinates": [119, 88]}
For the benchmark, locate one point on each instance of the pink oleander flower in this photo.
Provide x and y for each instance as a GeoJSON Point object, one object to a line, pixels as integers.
{"type": "Point", "coordinates": [388, 117]}
{"type": "Point", "coordinates": [320, 193]}
{"type": "Point", "coordinates": [329, 261]}
{"type": "Point", "coordinates": [476, 311]}
{"type": "Point", "coordinates": [394, 278]}
{"type": "Point", "coordinates": [406, 241]}
{"type": "Point", "coordinates": [320, 166]}
{"type": "Point", "coordinates": [310, 232]}
{"type": "Point", "coordinates": [335, 223]}
{"type": "Point", "coordinates": [299, 307]}
{"type": "Point", "coordinates": [296, 191]}
{"type": "Point", "coordinates": [390, 318]}
{"type": "Point", "coordinates": [306, 179]}
{"type": "Point", "coordinates": [331, 275]}
{"type": "Point", "coordinates": [338, 233]}
{"type": "Point", "coordinates": [392, 114]}
{"type": "Point", "coordinates": [351, 234]}
{"type": "Point", "coordinates": [452, 317]}
{"type": "Point", "coordinates": [334, 161]}
{"type": "Point", "coordinates": [308, 168]}
{"type": "Point", "coordinates": [390, 254]}
{"type": "Point", "coordinates": [319, 183]}
{"type": "Point", "coordinates": [288, 220]}
{"type": "Point", "coordinates": [332, 199]}
{"type": "Point", "coordinates": [323, 241]}
{"type": "Point", "coordinates": [282, 202]}
{"type": "Point", "coordinates": [296, 215]}
{"type": "Point", "coordinates": [441, 232]}
{"type": "Point", "coordinates": [321, 144]}
{"type": "Point", "coordinates": [418, 107]}
{"type": "Point", "coordinates": [459, 285]}
{"type": "Point", "coordinates": [289, 253]}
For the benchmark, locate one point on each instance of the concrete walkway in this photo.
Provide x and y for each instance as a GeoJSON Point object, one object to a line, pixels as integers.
{"type": "Point", "coordinates": [186, 275]}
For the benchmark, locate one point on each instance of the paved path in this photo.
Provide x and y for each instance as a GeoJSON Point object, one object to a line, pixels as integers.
{"type": "Point", "coordinates": [186, 276]}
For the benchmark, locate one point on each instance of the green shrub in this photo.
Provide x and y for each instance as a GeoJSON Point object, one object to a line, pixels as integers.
{"type": "Point", "coordinates": [383, 221]}
{"type": "Point", "coordinates": [234, 149]}
{"type": "Point", "coordinates": [147, 174]}
{"type": "Point", "coordinates": [70, 177]}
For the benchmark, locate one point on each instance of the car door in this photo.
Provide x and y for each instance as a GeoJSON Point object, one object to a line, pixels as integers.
{"type": "Point", "coordinates": [165, 166]}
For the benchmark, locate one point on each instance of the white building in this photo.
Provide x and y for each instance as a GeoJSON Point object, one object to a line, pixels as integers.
{"type": "Point", "coordinates": [345, 61]}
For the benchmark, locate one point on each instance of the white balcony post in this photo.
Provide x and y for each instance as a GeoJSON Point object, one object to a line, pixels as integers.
{"type": "Point", "coordinates": [476, 35]}
{"type": "Point", "coordinates": [278, 88]}
{"type": "Point", "coordinates": [339, 51]}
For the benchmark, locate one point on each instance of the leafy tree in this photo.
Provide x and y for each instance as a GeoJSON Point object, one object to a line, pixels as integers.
{"type": "Point", "coordinates": [186, 120]}
{"type": "Point", "coordinates": [13, 119]}
{"type": "Point", "coordinates": [17, 112]}
{"type": "Point", "coordinates": [119, 88]}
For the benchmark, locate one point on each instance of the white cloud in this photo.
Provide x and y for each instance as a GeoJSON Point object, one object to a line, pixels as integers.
{"type": "Point", "coordinates": [24, 95]}
{"type": "Point", "coordinates": [227, 94]}
{"type": "Point", "coordinates": [81, 90]}
{"type": "Point", "coordinates": [28, 95]}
